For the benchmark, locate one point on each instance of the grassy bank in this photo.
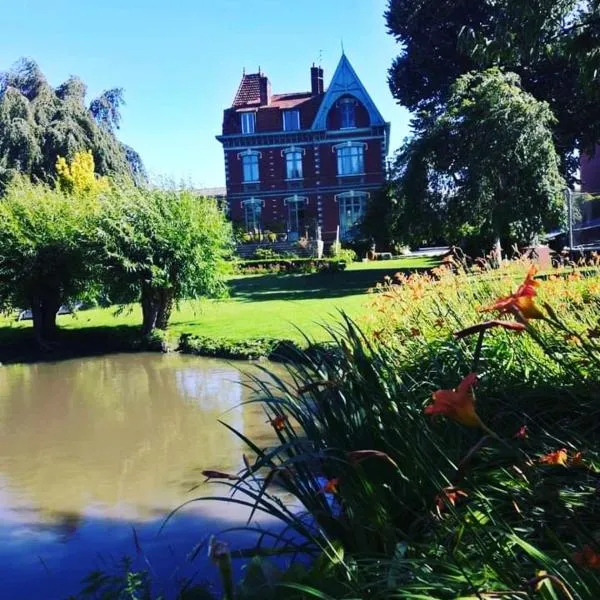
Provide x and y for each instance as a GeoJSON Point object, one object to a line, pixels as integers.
{"type": "Point", "coordinates": [262, 306]}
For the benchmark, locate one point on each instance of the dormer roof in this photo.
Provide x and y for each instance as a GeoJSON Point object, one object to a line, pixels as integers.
{"type": "Point", "coordinates": [345, 81]}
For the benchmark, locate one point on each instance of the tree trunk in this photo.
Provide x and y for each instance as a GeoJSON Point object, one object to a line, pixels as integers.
{"type": "Point", "coordinates": [44, 306]}
{"type": "Point", "coordinates": [150, 307]}
{"type": "Point", "coordinates": [165, 309]}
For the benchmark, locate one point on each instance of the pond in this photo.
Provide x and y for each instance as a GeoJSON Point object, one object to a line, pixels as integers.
{"type": "Point", "coordinates": [92, 450]}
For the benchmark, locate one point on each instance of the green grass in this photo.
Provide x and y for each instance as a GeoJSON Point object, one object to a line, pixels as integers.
{"type": "Point", "coordinates": [279, 306]}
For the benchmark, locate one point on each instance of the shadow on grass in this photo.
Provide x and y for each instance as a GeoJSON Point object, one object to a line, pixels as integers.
{"type": "Point", "coordinates": [311, 286]}
{"type": "Point", "coordinates": [18, 345]}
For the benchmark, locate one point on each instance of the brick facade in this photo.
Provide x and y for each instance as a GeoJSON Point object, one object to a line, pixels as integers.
{"type": "Point", "coordinates": [301, 160]}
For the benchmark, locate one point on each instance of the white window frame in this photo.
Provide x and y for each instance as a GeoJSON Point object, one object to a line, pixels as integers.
{"type": "Point", "coordinates": [346, 153]}
{"type": "Point", "coordinates": [248, 122]}
{"type": "Point", "coordinates": [253, 207]}
{"type": "Point", "coordinates": [352, 210]}
{"type": "Point", "coordinates": [253, 156]}
{"type": "Point", "coordinates": [342, 104]}
{"type": "Point", "coordinates": [291, 111]}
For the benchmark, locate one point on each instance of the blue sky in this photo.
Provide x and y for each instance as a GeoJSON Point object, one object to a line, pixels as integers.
{"type": "Point", "coordinates": [180, 62]}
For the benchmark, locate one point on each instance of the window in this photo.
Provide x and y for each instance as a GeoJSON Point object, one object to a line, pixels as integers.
{"type": "Point", "coordinates": [248, 122]}
{"type": "Point", "coordinates": [252, 214]}
{"type": "Point", "coordinates": [250, 167]}
{"type": "Point", "coordinates": [347, 113]}
{"type": "Point", "coordinates": [296, 216]}
{"type": "Point", "coordinates": [352, 211]}
{"type": "Point", "coordinates": [350, 159]}
{"type": "Point", "coordinates": [291, 120]}
{"type": "Point", "coordinates": [293, 165]}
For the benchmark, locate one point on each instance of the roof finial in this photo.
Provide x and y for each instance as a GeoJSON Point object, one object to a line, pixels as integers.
{"type": "Point", "coordinates": [244, 72]}
{"type": "Point", "coordinates": [259, 70]}
{"type": "Point", "coordinates": [342, 42]}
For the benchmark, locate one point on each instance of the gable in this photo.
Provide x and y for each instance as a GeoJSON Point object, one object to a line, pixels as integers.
{"type": "Point", "coordinates": [345, 81]}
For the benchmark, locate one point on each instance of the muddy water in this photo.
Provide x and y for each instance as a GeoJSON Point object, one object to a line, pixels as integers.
{"type": "Point", "coordinates": [93, 449]}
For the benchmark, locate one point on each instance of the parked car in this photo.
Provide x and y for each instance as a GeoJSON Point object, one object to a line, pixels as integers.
{"type": "Point", "coordinates": [64, 309]}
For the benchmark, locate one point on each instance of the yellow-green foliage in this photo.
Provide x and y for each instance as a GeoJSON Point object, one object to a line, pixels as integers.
{"type": "Point", "coordinates": [78, 175]}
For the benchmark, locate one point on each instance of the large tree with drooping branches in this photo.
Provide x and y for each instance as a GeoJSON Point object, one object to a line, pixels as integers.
{"type": "Point", "coordinates": [39, 123]}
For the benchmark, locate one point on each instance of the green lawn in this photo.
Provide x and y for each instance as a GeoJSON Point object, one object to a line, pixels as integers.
{"type": "Point", "coordinates": [259, 306]}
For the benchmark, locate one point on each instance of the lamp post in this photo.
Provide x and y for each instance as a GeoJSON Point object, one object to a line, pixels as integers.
{"type": "Point", "coordinates": [570, 216]}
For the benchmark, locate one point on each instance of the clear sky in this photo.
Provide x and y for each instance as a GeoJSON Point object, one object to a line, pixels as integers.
{"type": "Point", "coordinates": [180, 62]}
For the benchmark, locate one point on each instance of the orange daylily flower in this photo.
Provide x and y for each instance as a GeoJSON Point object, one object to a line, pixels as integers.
{"type": "Point", "coordinates": [521, 302]}
{"type": "Point", "coordinates": [558, 457]}
{"type": "Point", "coordinates": [457, 404]}
{"type": "Point", "coordinates": [577, 459]}
{"type": "Point", "coordinates": [449, 495]}
{"type": "Point", "coordinates": [331, 487]}
{"type": "Point", "coordinates": [278, 423]}
{"type": "Point", "coordinates": [588, 557]}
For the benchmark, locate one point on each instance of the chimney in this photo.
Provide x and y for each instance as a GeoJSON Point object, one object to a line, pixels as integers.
{"type": "Point", "coordinates": [316, 80]}
{"type": "Point", "coordinates": [265, 89]}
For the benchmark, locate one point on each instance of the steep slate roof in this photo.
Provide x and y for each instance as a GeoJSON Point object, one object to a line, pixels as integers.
{"type": "Point", "coordinates": [249, 91]}
{"type": "Point", "coordinates": [346, 81]}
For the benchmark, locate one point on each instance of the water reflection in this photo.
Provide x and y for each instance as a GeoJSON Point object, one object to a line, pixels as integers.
{"type": "Point", "coordinates": [89, 447]}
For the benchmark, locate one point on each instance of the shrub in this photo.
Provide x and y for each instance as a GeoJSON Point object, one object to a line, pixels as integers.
{"type": "Point", "coordinates": [289, 266]}
{"type": "Point", "coordinates": [406, 505]}
{"type": "Point", "coordinates": [334, 249]}
{"type": "Point", "coordinates": [265, 253]}
{"type": "Point", "coordinates": [346, 255]}
{"type": "Point", "coordinates": [250, 349]}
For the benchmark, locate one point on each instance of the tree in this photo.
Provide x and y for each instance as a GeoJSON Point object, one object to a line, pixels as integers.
{"type": "Point", "coordinates": [49, 251]}
{"type": "Point", "coordinates": [79, 175]}
{"type": "Point", "coordinates": [38, 123]}
{"type": "Point", "coordinates": [484, 169]}
{"type": "Point", "coordinates": [553, 45]}
{"type": "Point", "coordinates": [163, 246]}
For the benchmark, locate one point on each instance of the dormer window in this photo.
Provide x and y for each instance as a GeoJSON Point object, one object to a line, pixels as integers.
{"type": "Point", "coordinates": [248, 122]}
{"type": "Point", "coordinates": [347, 113]}
{"type": "Point", "coordinates": [291, 120]}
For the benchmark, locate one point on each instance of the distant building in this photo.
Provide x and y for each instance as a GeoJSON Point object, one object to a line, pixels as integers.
{"type": "Point", "coordinates": [220, 193]}
{"type": "Point", "coordinates": [590, 173]}
{"type": "Point", "coordinates": [300, 160]}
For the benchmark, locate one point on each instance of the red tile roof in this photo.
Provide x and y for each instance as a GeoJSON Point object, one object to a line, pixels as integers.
{"type": "Point", "coordinates": [248, 95]}
{"type": "Point", "coordinates": [248, 92]}
{"type": "Point", "coordinates": [284, 101]}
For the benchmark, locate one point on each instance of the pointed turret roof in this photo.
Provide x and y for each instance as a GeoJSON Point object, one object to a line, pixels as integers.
{"type": "Point", "coordinates": [346, 81]}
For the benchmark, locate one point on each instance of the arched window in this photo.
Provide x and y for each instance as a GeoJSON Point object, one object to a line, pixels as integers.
{"type": "Point", "coordinates": [347, 108]}
{"type": "Point", "coordinates": [350, 158]}
{"type": "Point", "coordinates": [253, 213]}
{"type": "Point", "coordinates": [352, 207]}
{"type": "Point", "coordinates": [250, 171]}
{"type": "Point", "coordinates": [293, 162]}
{"type": "Point", "coordinates": [296, 216]}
